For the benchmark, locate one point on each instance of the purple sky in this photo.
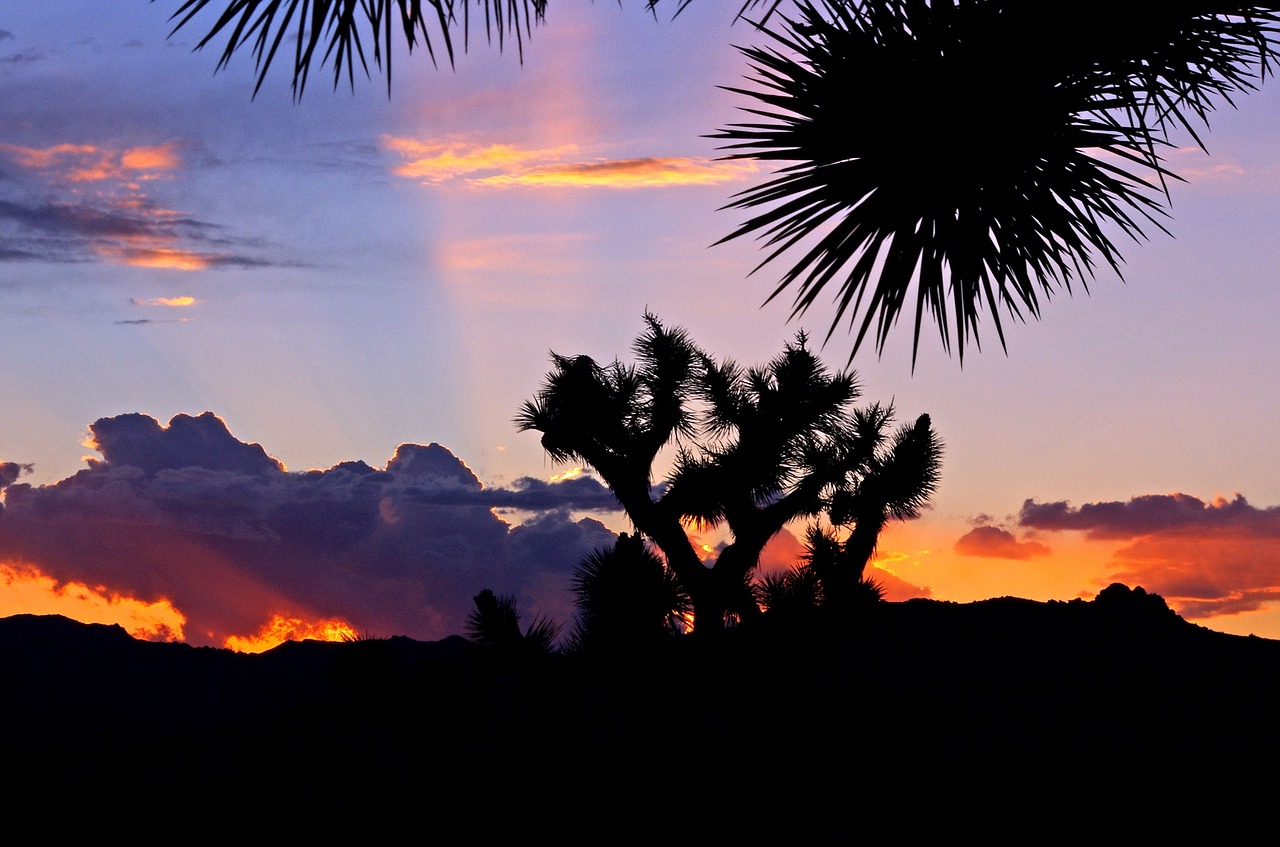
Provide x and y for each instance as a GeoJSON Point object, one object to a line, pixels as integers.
{"type": "Point", "coordinates": [340, 277]}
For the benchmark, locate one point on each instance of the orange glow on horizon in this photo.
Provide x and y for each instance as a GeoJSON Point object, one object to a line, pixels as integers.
{"type": "Point", "coordinates": [26, 590]}
{"type": "Point", "coordinates": [281, 629]}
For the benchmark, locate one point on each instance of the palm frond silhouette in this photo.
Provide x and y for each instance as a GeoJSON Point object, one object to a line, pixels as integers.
{"type": "Point", "coordinates": [351, 33]}
{"type": "Point", "coordinates": [968, 156]}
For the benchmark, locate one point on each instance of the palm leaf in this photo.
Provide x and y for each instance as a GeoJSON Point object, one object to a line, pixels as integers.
{"type": "Point", "coordinates": [337, 31]}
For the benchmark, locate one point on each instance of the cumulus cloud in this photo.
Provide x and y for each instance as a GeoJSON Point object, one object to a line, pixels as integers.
{"type": "Point", "coordinates": [992, 542]}
{"type": "Point", "coordinates": [10, 471]}
{"type": "Point", "coordinates": [187, 513]}
{"type": "Point", "coordinates": [1206, 558]}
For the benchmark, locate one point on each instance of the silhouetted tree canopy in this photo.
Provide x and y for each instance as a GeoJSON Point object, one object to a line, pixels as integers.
{"type": "Point", "coordinates": [754, 449]}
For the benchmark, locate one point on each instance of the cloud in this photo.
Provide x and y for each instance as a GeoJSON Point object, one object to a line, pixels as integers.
{"type": "Point", "coordinates": [624, 173]}
{"type": "Point", "coordinates": [1150, 513]}
{"type": "Point", "coordinates": [86, 203]}
{"type": "Point", "coordinates": [895, 588]}
{"type": "Point", "coordinates": [27, 55]}
{"type": "Point", "coordinates": [10, 471]}
{"type": "Point", "coordinates": [994, 543]}
{"type": "Point", "coordinates": [179, 302]}
{"type": "Point", "coordinates": [187, 442]}
{"type": "Point", "coordinates": [433, 163]}
{"type": "Point", "coordinates": [187, 514]}
{"type": "Point", "coordinates": [1219, 557]}
{"type": "Point", "coordinates": [506, 166]}
{"type": "Point", "coordinates": [92, 163]}
{"type": "Point", "coordinates": [173, 302]}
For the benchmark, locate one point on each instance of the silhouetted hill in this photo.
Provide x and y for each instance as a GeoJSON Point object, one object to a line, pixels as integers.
{"type": "Point", "coordinates": [1016, 691]}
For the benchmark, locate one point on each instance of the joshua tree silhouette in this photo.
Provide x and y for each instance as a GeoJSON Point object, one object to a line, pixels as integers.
{"type": "Point", "coordinates": [754, 450]}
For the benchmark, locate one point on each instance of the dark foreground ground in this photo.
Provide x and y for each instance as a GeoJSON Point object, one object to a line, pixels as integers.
{"type": "Point", "coordinates": [1001, 701]}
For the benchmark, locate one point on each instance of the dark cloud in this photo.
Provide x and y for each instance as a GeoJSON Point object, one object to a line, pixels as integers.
{"type": "Point", "coordinates": [188, 513]}
{"type": "Point", "coordinates": [585, 493]}
{"type": "Point", "coordinates": [5, 35]}
{"type": "Point", "coordinates": [201, 442]}
{"type": "Point", "coordinates": [45, 215]}
{"type": "Point", "coordinates": [10, 471]}
{"type": "Point", "coordinates": [88, 231]}
{"type": "Point", "coordinates": [10, 255]}
{"type": "Point", "coordinates": [1152, 513]}
{"type": "Point", "coordinates": [27, 55]}
{"type": "Point", "coordinates": [78, 219]}
{"type": "Point", "coordinates": [992, 542]}
{"type": "Point", "coordinates": [1206, 559]}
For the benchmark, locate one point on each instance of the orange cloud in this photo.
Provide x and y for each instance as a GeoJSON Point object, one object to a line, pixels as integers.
{"type": "Point", "coordinates": [624, 173]}
{"type": "Point", "coordinates": [781, 553]}
{"type": "Point", "coordinates": [155, 257]}
{"type": "Point", "coordinates": [25, 589]}
{"type": "Point", "coordinates": [90, 163]}
{"type": "Point", "coordinates": [161, 158]}
{"type": "Point", "coordinates": [506, 166]}
{"type": "Point", "coordinates": [994, 543]}
{"type": "Point", "coordinates": [440, 162]}
{"type": "Point", "coordinates": [30, 157]}
{"type": "Point", "coordinates": [1205, 558]}
{"type": "Point", "coordinates": [895, 588]}
{"type": "Point", "coordinates": [282, 628]}
{"type": "Point", "coordinates": [172, 302]}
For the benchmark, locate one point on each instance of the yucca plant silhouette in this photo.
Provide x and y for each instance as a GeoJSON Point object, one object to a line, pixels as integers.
{"type": "Point", "coordinates": [494, 623]}
{"type": "Point", "coordinates": [627, 598]}
{"type": "Point", "coordinates": [968, 155]}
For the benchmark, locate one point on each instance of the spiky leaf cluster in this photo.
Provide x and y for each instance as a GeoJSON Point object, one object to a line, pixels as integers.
{"type": "Point", "coordinates": [351, 33]}
{"type": "Point", "coordinates": [627, 598]}
{"type": "Point", "coordinates": [974, 155]}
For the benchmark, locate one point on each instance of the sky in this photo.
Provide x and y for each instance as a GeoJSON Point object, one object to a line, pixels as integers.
{"type": "Point", "coordinates": [261, 358]}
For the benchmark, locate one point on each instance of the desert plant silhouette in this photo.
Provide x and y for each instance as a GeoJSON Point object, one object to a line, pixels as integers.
{"type": "Point", "coordinates": [494, 623]}
{"type": "Point", "coordinates": [830, 577]}
{"type": "Point", "coordinates": [970, 152]}
{"type": "Point", "coordinates": [754, 449]}
{"type": "Point", "coordinates": [628, 599]}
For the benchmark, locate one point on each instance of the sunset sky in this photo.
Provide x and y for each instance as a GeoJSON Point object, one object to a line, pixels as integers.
{"type": "Point", "coordinates": [261, 359]}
